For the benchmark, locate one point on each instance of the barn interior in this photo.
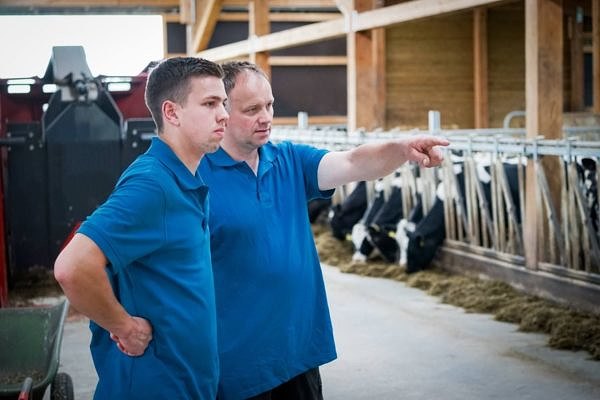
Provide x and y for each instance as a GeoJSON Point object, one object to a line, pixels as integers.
{"type": "Point", "coordinates": [513, 84]}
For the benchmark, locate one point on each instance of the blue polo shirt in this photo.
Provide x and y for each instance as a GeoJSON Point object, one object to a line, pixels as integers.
{"type": "Point", "coordinates": [153, 230]}
{"type": "Point", "coordinates": [272, 314]}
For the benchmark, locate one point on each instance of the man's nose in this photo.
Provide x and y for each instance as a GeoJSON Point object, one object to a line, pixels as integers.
{"type": "Point", "coordinates": [223, 114]}
{"type": "Point", "coordinates": [265, 116]}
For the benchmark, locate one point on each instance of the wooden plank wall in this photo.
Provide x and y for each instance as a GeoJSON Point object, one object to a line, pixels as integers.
{"type": "Point", "coordinates": [429, 67]}
{"type": "Point", "coordinates": [506, 62]}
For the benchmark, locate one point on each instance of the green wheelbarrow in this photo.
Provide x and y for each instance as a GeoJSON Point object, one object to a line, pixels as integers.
{"type": "Point", "coordinates": [30, 342]}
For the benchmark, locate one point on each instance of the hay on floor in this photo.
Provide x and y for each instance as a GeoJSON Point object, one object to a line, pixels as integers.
{"type": "Point", "coordinates": [567, 329]}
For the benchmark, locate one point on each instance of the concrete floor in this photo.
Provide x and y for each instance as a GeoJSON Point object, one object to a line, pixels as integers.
{"type": "Point", "coordinates": [396, 342]}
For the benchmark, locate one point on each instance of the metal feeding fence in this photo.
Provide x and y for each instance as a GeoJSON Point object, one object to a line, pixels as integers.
{"type": "Point", "coordinates": [482, 182]}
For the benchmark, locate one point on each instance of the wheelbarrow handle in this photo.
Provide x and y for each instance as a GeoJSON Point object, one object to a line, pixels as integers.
{"type": "Point", "coordinates": [25, 389]}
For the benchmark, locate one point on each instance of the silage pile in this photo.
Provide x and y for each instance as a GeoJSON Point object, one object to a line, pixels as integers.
{"type": "Point", "coordinates": [567, 329]}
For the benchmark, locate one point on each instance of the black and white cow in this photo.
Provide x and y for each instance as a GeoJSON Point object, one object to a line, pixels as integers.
{"type": "Point", "coordinates": [375, 233]}
{"type": "Point", "coordinates": [345, 215]}
{"type": "Point", "coordinates": [430, 232]}
{"type": "Point", "coordinates": [318, 208]}
{"type": "Point", "coordinates": [587, 167]}
{"type": "Point", "coordinates": [412, 241]}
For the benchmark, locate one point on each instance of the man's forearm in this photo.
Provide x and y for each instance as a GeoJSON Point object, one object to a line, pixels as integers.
{"type": "Point", "coordinates": [366, 162]}
{"type": "Point", "coordinates": [92, 295]}
{"type": "Point", "coordinates": [375, 160]}
{"type": "Point", "coordinates": [80, 271]}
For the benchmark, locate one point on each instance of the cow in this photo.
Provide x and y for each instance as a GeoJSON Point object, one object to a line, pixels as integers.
{"type": "Point", "coordinates": [407, 226]}
{"type": "Point", "coordinates": [380, 229]}
{"type": "Point", "coordinates": [586, 168]}
{"type": "Point", "coordinates": [344, 216]}
{"type": "Point", "coordinates": [317, 208]}
{"type": "Point", "coordinates": [374, 234]}
{"type": "Point", "coordinates": [429, 233]}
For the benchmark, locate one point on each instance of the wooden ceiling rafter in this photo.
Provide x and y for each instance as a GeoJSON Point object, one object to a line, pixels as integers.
{"type": "Point", "coordinates": [339, 27]}
{"type": "Point", "coordinates": [186, 12]}
{"type": "Point", "coordinates": [82, 3]}
{"type": "Point", "coordinates": [294, 61]}
{"type": "Point", "coordinates": [206, 15]}
{"type": "Point", "coordinates": [291, 4]}
{"type": "Point", "coordinates": [280, 16]}
{"type": "Point", "coordinates": [259, 25]}
{"type": "Point", "coordinates": [283, 4]}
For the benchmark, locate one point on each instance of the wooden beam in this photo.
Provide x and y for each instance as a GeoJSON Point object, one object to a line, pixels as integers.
{"type": "Point", "coordinates": [207, 12]}
{"type": "Point", "coordinates": [258, 18]}
{"type": "Point", "coordinates": [345, 6]}
{"type": "Point", "coordinates": [292, 4]}
{"type": "Point", "coordinates": [413, 10]}
{"type": "Point", "coordinates": [289, 61]}
{"type": "Point", "coordinates": [480, 68]}
{"type": "Point", "coordinates": [339, 27]}
{"type": "Point", "coordinates": [259, 25]}
{"type": "Point", "coordinates": [287, 3]}
{"type": "Point", "coordinates": [281, 16]}
{"type": "Point", "coordinates": [378, 60]}
{"type": "Point", "coordinates": [351, 76]}
{"type": "Point", "coordinates": [89, 3]}
{"type": "Point", "coordinates": [279, 40]}
{"type": "Point", "coordinates": [369, 56]}
{"type": "Point", "coordinates": [169, 17]}
{"type": "Point", "coordinates": [186, 15]}
{"type": "Point", "coordinates": [312, 120]}
{"type": "Point", "coordinates": [596, 54]}
{"type": "Point", "coordinates": [544, 107]}
{"type": "Point", "coordinates": [576, 47]}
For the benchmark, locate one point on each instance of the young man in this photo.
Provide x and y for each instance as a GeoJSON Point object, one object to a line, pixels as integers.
{"type": "Point", "coordinates": [273, 320]}
{"type": "Point", "coordinates": [139, 267]}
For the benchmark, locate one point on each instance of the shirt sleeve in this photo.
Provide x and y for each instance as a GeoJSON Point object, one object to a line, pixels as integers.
{"type": "Point", "coordinates": [310, 158]}
{"type": "Point", "coordinates": [131, 223]}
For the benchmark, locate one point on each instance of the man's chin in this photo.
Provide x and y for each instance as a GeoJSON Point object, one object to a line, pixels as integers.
{"type": "Point", "coordinates": [214, 148]}
{"type": "Point", "coordinates": [263, 139]}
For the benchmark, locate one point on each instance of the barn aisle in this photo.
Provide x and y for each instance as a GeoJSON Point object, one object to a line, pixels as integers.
{"type": "Point", "coordinates": [396, 342]}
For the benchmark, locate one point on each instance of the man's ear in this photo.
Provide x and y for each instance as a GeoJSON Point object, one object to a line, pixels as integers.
{"type": "Point", "coordinates": [169, 112]}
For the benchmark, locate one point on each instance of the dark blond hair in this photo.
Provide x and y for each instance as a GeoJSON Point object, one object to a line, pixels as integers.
{"type": "Point", "coordinates": [232, 69]}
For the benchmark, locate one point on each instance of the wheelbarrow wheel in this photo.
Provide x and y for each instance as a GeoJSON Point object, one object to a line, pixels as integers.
{"type": "Point", "coordinates": [62, 387]}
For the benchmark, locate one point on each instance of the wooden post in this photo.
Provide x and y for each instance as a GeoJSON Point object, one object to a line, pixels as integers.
{"type": "Point", "coordinates": [369, 76]}
{"type": "Point", "coordinates": [186, 12]}
{"type": "Point", "coordinates": [544, 105]}
{"type": "Point", "coordinates": [351, 75]}
{"type": "Point", "coordinates": [258, 25]}
{"type": "Point", "coordinates": [480, 67]}
{"type": "Point", "coordinates": [576, 36]}
{"type": "Point", "coordinates": [205, 19]}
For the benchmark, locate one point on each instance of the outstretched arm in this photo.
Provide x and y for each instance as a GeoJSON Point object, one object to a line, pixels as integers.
{"type": "Point", "coordinates": [80, 271]}
{"type": "Point", "coordinates": [375, 160]}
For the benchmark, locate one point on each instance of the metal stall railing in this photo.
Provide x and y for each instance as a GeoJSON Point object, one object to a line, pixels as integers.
{"type": "Point", "coordinates": [485, 216]}
{"type": "Point", "coordinates": [571, 227]}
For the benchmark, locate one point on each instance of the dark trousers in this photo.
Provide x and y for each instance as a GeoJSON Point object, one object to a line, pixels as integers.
{"type": "Point", "coordinates": [306, 386]}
